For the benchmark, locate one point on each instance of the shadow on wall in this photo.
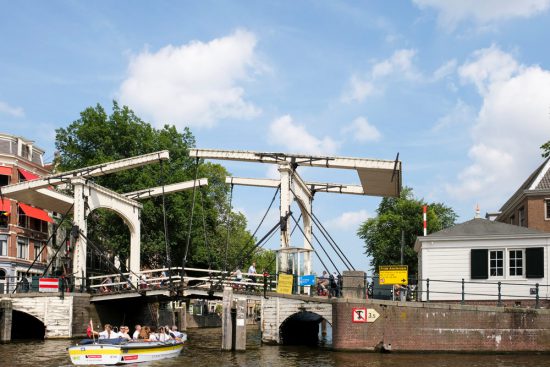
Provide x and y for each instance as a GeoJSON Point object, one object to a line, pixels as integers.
{"type": "Point", "coordinates": [25, 326]}
{"type": "Point", "coordinates": [302, 328]}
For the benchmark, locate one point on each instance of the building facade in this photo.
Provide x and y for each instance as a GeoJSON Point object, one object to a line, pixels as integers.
{"type": "Point", "coordinates": [529, 206]}
{"type": "Point", "coordinates": [483, 259]}
{"type": "Point", "coordinates": [24, 229]}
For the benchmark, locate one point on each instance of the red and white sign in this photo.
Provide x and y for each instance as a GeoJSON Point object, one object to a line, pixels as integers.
{"type": "Point", "coordinates": [359, 314]}
{"type": "Point", "coordinates": [48, 285]}
{"type": "Point", "coordinates": [363, 314]}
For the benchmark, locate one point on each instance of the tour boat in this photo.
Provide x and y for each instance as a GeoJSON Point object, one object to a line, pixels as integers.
{"type": "Point", "coordinates": [118, 351]}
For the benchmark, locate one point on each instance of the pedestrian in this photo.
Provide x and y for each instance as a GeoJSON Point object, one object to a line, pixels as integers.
{"type": "Point", "coordinates": [252, 270]}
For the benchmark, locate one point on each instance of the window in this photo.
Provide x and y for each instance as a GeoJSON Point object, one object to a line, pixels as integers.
{"type": "Point", "coordinates": [512, 219]}
{"type": "Point", "coordinates": [4, 180]}
{"type": "Point", "coordinates": [37, 247]}
{"type": "Point", "coordinates": [547, 209]}
{"type": "Point", "coordinates": [496, 263]}
{"type": "Point", "coordinates": [3, 245]}
{"type": "Point", "coordinates": [521, 217]}
{"type": "Point", "coordinates": [22, 248]}
{"type": "Point", "coordinates": [4, 219]}
{"type": "Point", "coordinates": [516, 262]}
{"type": "Point", "coordinates": [22, 218]}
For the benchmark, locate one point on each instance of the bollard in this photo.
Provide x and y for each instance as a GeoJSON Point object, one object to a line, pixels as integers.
{"type": "Point", "coordinates": [5, 320]}
{"type": "Point", "coordinates": [499, 303]}
{"type": "Point", "coordinates": [227, 325]}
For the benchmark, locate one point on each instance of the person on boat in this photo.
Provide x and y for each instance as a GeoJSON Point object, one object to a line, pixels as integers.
{"type": "Point", "coordinates": [153, 335]}
{"type": "Point", "coordinates": [145, 333]}
{"type": "Point", "coordinates": [135, 335]}
{"type": "Point", "coordinates": [107, 332]}
{"type": "Point", "coordinates": [123, 333]}
{"type": "Point", "coordinates": [174, 333]}
{"type": "Point", "coordinates": [161, 335]}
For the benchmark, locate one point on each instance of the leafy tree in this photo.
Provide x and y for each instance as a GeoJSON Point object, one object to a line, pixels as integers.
{"type": "Point", "coordinates": [545, 149]}
{"type": "Point", "coordinates": [97, 137]}
{"type": "Point", "coordinates": [382, 234]}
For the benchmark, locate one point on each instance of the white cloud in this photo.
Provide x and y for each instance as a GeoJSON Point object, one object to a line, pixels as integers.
{"type": "Point", "coordinates": [349, 220]}
{"type": "Point", "coordinates": [400, 62]}
{"type": "Point", "coordinates": [509, 128]}
{"type": "Point", "coordinates": [399, 66]}
{"type": "Point", "coordinates": [362, 131]}
{"type": "Point", "coordinates": [295, 138]}
{"type": "Point", "coordinates": [461, 115]}
{"type": "Point", "coordinates": [195, 84]}
{"type": "Point", "coordinates": [10, 110]}
{"type": "Point", "coordinates": [452, 12]}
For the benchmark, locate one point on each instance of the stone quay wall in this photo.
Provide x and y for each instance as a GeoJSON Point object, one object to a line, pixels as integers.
{"type": "Point", "coordinates": [412, 326]}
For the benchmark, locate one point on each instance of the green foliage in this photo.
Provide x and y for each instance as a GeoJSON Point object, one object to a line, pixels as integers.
{"type": "Point", "coordinates": [545, 149]}
{"type": "Point", "coordinates": [98, 137]}
{"type": "Point", "coordinates": [382, 234]}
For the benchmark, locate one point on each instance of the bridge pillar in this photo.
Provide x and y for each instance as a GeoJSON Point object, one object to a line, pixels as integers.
{"type": "Point", "coordinates": [79, 258]}
{"type": "Point", "coordinates": [353, 284]}
{"type": "Point", "coordinates": [5, 320]}
{"type": "Point", "coordinates": [227, 324]}
{"type": "Point", "coordinates": [240, 325]}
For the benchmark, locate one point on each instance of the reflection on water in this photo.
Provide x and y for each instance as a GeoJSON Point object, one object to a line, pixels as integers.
{"type": "Point", "coordinates": [203, 349]}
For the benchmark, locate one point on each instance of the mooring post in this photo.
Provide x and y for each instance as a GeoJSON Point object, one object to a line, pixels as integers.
{"type": "Point", "coordinates": [240, 325]}
{"type": "Point", "coordinates": [227, 325]}
{"type": "Point", "coordinates": [5, 320]}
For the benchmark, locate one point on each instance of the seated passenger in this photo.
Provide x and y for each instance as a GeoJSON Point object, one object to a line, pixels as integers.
{"type": "Point", "coordinates": [123, 333]}
{"type": "Point", "coordinates": [145, 333]}
{"type": "Point", "coordinates": [107, 332]}
{"type": "Point", "coordinates": [135, 336]}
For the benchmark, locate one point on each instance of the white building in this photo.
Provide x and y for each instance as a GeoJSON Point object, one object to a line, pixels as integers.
{"type": "Point", "coordinates": [483, 253]}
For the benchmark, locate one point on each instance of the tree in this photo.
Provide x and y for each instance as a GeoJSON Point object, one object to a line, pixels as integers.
{"type": "Point", "coordinates": [382, 234]}
{"type": "Point", "coordinates": [98, 137]}
{"type": "Point", "coordinates": [545, 149]}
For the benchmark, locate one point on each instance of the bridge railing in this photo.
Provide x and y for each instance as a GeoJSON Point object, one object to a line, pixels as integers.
{"type": "Point", "coordinates": [39, 283]}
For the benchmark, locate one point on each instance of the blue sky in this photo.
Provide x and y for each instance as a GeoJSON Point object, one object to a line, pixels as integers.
{"type": "Point", "coordinates": [461, 89]}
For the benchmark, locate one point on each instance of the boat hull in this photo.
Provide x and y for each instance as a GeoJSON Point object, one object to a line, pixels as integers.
{"type": "Point", "coordinates": [134, 352]}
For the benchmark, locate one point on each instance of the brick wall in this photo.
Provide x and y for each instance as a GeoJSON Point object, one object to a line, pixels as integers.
{"type": "Point", "coordinates": [440, 327]}
{"type": "Point", "coordinates": [536, 219]}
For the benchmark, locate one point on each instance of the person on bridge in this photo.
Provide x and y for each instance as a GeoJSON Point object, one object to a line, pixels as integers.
{"type": "Point", "coordinates": [323, 282]}
{"type": "Point", "coordinates": [252, 270]}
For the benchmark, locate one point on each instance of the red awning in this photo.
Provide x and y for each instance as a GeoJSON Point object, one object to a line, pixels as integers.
{"type": "Point", "coordinates": [28, 175]}
{"type": "Point", "coordinates": [5, 206]}
{"type": "Point", "coordinates": [35, 213]}
{"type": "Point", "coordinates": [5, 171]}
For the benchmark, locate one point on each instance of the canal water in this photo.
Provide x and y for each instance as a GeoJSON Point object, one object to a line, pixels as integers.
{"type": "Point", "coordinates": [203, 349]}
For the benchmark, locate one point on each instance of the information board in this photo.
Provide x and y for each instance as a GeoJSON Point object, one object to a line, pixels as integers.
{"type": "Point", "coordinates": [394, 274]}
{"type": "Point", "coordinates": [284, 285]}
{"type": "Point", "coordinates": [306, 280]}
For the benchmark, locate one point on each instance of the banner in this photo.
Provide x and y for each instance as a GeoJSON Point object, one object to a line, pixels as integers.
{"type": "Point", "coordinates": [48, 285]}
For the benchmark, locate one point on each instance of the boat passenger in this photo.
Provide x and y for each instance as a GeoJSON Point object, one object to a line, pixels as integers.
{"type": "Point", "coordinates": [107, 332]}
{"type": "Point", "coordinates": [154, 336]}
{"type": "Point", "coordinates": [174, 333]}
{"type": "Point", "coordinates": [161, 335]}
{"type": "Point", "coordinates": [145, 333]}
{"type": "Point", "coordinates": [123, 333]}
{"type": "Point", "coordinates": [135, 336]}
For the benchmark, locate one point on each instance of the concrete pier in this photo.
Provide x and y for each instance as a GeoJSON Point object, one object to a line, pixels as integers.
{"type": "Point", "coordinates": [5, 320]}
{"type": "Point", "coordinates": [240, 325]}
{"type": "Point", "coordinates": [227, 324]}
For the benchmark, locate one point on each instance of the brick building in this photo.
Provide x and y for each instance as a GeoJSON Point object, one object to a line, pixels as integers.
{"type": "Point", "coordinates": [24, 229]}
{"type": "Point", "coordinates": [529, 206]}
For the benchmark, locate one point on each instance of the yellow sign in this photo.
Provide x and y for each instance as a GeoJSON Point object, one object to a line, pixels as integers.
{"type": "Point", "coordinates": [394, 274]}
{"type": "Point", "coordinates": [284, 285]}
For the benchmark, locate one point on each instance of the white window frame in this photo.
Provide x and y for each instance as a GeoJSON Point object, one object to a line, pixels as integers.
{"type": "Point", "coordinates": [503, 252]}
{"type": "Point", "coordinates": [23, 251]}
{"type": "Point", "coordinates": [508, 272]}
{"type": "Point", "coordinates": [521, 217]}
{"type": "Point", "coordinates": [4, 244]}
{"type": "Point", "coordinates": [546, 214]}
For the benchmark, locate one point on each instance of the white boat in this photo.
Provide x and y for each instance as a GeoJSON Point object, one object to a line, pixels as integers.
{"type": "Point", "coordinates": [115, 351]}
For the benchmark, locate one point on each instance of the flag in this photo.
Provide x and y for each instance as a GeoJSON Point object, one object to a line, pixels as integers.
{"type": "Point", "coordinates": [90, 329]}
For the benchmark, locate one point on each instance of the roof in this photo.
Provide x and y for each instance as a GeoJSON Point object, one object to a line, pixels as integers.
{"type": "Point", "coordinates": [538, 180]}
{"type": "Point", "coordinates": [484, 227]}
{"type": "Point", "coordinates": [480, 228]}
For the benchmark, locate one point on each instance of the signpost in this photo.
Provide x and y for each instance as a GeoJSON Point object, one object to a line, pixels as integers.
{"type": "Point", "coordinates": [284, 284]}
{"type": "Point", "coordinates": [394, 274]}
{"type": "Point", "coordinates": [363, 315]}
{"type": "Point", "coordinates": [48, 285]}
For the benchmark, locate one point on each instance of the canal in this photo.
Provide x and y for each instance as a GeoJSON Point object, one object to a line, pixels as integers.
{"type": "Point", "coordinates": [203, 349]}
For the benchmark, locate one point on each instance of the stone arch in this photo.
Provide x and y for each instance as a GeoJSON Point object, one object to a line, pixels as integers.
{"type": "Point", "coordinates": [301, 328]}
{"type": "Point", "coordinates": [26, 326]}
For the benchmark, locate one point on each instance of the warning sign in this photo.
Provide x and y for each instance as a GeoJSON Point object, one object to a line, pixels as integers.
{"type": "Point", "coordinates": [359, 314]}
{"type": "Point", "coordinates": [363, 314]}
{"type": "Point", "coordinates": [394, 274]}
{"type": "Point", "coordinates": [284, 285]}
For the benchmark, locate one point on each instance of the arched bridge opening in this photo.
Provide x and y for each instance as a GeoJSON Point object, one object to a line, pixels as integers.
{"type": "Point", "coordinates": [25, 326]}
{"type": "Point", "coordinates": [305, 328]}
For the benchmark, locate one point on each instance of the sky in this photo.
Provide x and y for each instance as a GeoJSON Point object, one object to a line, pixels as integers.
{"type": "Point", "coordinates": [459, 88]}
